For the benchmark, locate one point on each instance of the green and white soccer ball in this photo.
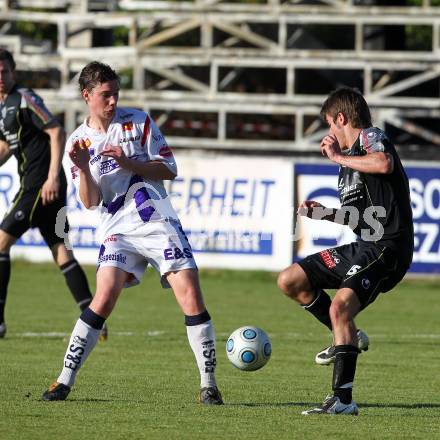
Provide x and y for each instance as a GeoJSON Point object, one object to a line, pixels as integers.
{"type": "Point", "coordinates": [248, 348]}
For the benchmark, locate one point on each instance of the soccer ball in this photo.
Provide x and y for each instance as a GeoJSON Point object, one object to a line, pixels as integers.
{"type": "Point", "coordinates": [248, 348]}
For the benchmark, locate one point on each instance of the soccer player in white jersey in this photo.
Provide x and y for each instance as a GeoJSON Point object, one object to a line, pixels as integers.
{"type": "Point", "coordinates": [119, 161]}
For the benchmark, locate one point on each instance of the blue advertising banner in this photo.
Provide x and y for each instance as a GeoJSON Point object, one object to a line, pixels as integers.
{"type": "Point", "coordinates": [319, 182]}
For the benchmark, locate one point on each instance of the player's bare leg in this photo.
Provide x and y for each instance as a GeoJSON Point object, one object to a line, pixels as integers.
{"type": "Point", "coordinates": [200, 331]}
{"type": "Point", "coordinates": [6, 242]}
{"type": "Point", "coordinates": [293, 281]}
{"type": "Point", "coordinates": [109, 282]}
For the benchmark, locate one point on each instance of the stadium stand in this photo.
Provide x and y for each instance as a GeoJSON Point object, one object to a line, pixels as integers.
{"type": "Point", "coordinates": [239, 75]}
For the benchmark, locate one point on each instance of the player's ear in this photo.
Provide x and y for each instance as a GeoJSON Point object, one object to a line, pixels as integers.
{"type": "Point", "coordinates": [341, 119]}
{"type": "Point", "coordinates": [86, 95]}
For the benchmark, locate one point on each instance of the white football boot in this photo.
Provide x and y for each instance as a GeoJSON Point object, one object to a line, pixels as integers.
{"type": "Point", "coordinates": [327, 355]}
{"type": "Point", "coordinates": [332, 405]}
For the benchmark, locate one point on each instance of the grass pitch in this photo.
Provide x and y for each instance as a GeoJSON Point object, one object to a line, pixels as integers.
{"type": "Point", "coordinates": [143, 382]}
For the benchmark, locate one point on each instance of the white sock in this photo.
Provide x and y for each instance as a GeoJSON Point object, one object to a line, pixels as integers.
{"type": "Point", "coordinates": [82, 341]}
{"type": "Point", "coordinates": [202, 340]}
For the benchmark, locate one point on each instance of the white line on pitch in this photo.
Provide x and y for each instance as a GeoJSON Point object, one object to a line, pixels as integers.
{"type": "Point", "coordinates": [155, 333]}
{"type": "Point", "coordinates": [62, 335]}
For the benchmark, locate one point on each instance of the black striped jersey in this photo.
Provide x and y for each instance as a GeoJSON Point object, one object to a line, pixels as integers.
{"type": "Point", "coordinates": [378, 198]}
{"type": "Point", "coordinates": [23, 117]}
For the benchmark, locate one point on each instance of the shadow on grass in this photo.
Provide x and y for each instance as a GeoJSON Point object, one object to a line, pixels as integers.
{"type": "Point", "coordinates": [315, 404]}
{"type": "Point", "coordinates": [268, 404]}
{"type": "Point", "coordinates": [400, 405]}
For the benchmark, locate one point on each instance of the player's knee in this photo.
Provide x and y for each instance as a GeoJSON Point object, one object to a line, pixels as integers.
{"type": "Point", "coordinates": [6, 242]}
{"type": "Point", "coordinates": [283, 281]}
{"type": "Point", "coordinates": [287, 283]}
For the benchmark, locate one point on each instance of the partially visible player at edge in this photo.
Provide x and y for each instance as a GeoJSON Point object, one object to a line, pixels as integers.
{"type": "Point", "coordinates": [31, 133]}
{"type": "Point", "coordinates": [373, 183]}
{"type": "Point", "coordinates": [119, 161]}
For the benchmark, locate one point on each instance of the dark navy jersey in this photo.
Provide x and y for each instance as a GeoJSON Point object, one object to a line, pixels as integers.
{"type": "Point", "coordinates": [379, 199]}
{"type": "Point", "coordinates": [23, 117]}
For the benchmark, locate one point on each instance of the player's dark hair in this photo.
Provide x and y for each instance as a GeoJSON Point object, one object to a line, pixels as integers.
{"type": "Point", "coordinates": [5, 55]}
{"type": "Point", "coordinates": [96, 73]}
{"type": "Point", "coordinates": [349, 102]}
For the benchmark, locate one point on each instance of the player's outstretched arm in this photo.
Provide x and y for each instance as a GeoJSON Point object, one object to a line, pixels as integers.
{"type": "Point", "coordinates": [89, 191]}
{"type": "Point", "coordinates": [316, 211]}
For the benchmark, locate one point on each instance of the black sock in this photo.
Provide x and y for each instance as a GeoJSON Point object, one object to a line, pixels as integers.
{"type": "Point", "coordinates": [320, 308]}
{"type": "Point", "coordinates": [344, 371]}
{"type": "Point", "coordinates": [197, 319]}
{"type": "Point", "coordinates": [77, 282]}
{"type": "Point", "coordinates": [5, 274]}
{"type": "Point", "coordinates": [91, 318]}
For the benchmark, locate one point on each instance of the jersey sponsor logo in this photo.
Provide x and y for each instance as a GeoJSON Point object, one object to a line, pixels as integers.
{"type": "Point", "coordinates": [120, 258]}
{"type": "Point", "coordinates": [165, 151]}
{"type": "Point", "coordinates": [328, 259]}
{"type": "Point", "coordinates": [108, 166]}
{"type": "Point", "coordinates": [177, 253]}
{"type": "Point", "coordinates": [348, 188]}
{"type": "Point", "coordinates": [129, 139]}
{"type": "Point", "coordinates": [95, 159]}
{"type": "Point", "coordinates": [127, 126]}
{"type": "Point", "coordinates": [110, 238]}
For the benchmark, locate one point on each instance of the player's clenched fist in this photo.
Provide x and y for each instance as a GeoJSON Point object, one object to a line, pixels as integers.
{"type": "Point", "coordinates": [79, 154]}
{"type": "Point", "coordinates": [330, 147]}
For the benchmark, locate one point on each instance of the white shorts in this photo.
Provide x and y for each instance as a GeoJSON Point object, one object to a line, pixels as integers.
{"type": "Point", "coordinates": [163, 244]}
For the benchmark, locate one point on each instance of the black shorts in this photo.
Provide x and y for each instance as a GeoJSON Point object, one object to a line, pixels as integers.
{"type": "Point", "coordinates": [27, 211]}
{"type": "Point", "coordinates": [367, 268]}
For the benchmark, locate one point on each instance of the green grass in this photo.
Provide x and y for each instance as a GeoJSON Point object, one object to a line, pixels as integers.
{"type": "Point", "coordinates": [142, 383]}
